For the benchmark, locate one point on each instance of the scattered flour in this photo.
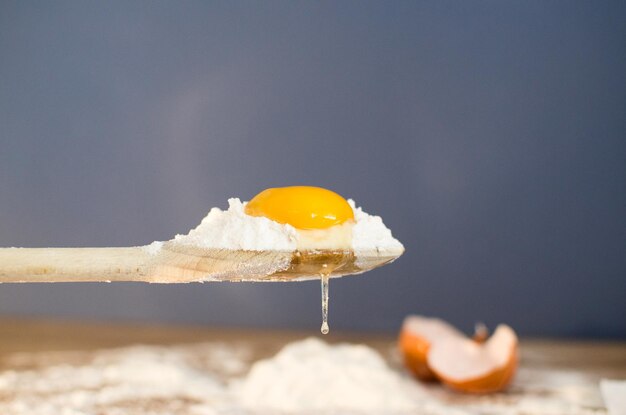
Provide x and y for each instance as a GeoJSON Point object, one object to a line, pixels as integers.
{"type": "Point", "coordinates": [305, 378]}
{"type": "Point", "coordinates": [614, 395]}
{"type": "Point", "coordinates": [113, 381]}
{"type": "Point", "coordinates": [234, 229]}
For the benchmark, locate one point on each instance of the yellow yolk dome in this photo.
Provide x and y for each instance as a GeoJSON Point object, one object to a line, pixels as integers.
{"type": "Point", "coordinates": [303, 207]}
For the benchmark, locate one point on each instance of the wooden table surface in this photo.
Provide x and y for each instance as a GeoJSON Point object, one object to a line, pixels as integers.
{"type": "Point", "coordinates": [32, 335]}
{"type": "Point", "coordinates": [592, 359]}
{"type": "Point", "coordinates": [604, 358]}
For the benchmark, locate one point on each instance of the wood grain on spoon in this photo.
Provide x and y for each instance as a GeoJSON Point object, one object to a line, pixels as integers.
{"type": "Point", "coordinates": [176, 263]}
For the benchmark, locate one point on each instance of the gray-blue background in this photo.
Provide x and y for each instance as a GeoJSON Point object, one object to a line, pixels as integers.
{"type": "Point", "coordinates": [489, 135]}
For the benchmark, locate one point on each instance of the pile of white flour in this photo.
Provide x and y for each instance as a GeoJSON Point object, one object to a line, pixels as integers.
{"type": "Point", "coordinates": [234, 229]}
{"type": "Point", "coordinates": [311, 375]}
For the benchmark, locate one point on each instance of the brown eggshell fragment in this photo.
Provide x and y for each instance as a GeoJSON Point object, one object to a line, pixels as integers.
{"type": "Point", "coordinates": [468, 366]}
{"type": "Point", "coordinates": [417, 335]}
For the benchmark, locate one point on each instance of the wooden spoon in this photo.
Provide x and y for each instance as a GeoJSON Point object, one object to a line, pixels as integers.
{"type": "Point", "coordinates": [177, 263]}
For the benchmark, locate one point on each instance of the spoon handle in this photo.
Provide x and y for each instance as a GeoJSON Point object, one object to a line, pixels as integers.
{"type": "Point", "coordinates": [73, 264]}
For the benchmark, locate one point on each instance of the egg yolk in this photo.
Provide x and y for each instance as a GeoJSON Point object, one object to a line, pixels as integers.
{"type": "Point", "coordinates": [303, 207]}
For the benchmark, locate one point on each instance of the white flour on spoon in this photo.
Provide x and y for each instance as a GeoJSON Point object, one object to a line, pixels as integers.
{"type": "Point", "coordinates": [234, 229]}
